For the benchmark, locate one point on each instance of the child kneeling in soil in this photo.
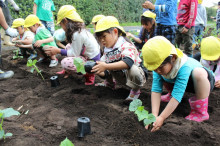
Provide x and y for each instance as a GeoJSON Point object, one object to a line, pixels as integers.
{"type": "Point", "coordinates": [42, 38]}
{"type": "Point", "coordinates": [25, 38]}
{"type": "Point", "coordinates": [120, 59]}
{"type": "Point", "coordinates": [81, 42]}
{"type": "Point", "coordinates": [179, 74]}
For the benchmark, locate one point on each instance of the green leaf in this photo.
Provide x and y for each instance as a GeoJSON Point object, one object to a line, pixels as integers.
{"type": "Point", "coordinates": [8, 134]}
{"type": "Point", "coordinates": [8, 112]}
{"type": "Point", "coordinates": [34, 62]}
{"type": "Point", "coordinates": [66, 142]}
{"type": "Point", "coordinates": [79, 63]}
{"type": "Point", "coordinates": [141, 114]}
{"type": "Point", "coordinates": [2, 133]}
{"type": "Point", "coordinates": [135, 104]}
{"type": "Point", "coordinates": [151, 118]}
{"type": "Point", "coordinates": [14, 57]}
{"type": "Point", "coordinates": [29, 63]}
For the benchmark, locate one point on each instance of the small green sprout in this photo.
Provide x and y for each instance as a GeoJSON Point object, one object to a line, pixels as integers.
{"type": "Point", "coordinates": [32, 64]}
{"type": "Point", "coordinates": [66, 142]}
{"type": "Point", "coordinates": [142, 114]}
{"type": "Point", "coordinates": [5, 113]}
{"type": "Point", "coordinates": [16, 56]}
{"type": "Point", "coordinates": [79, 63]}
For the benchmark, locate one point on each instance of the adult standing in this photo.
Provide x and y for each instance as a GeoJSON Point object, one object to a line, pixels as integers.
{"type": "Point", "coordinates": [43, 9]}
{"type": "Point", "coordinates": [166, 11]}
{"type": "Point", "coordinates": [8, 31]}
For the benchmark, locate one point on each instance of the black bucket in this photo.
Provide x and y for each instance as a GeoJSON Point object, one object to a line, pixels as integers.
{"type": "Point", "coordinates": [54, 81]}
{"type": "Point", "coordinates": [83, 126]}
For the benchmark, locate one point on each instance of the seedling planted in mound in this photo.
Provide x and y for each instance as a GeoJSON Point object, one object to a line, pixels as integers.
{"type": "Point", "coordinates": [142, 114]}
{"type": "Point", "coordinates": [79, 63]}
{"type": "Point", "coordinates": [33, 66]}
{"type": "Point", "coordinates": [16, 56]}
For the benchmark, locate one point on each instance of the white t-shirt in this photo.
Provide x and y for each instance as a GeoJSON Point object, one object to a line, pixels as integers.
{"type": "Point", "coordinates": [84, 38]}
{"type": "Point", "coordinates": [27, 34]}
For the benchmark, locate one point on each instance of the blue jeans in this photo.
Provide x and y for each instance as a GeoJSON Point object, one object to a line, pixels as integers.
{"type": "Point", "coordinates": [198, 34]}
{"type": "Point", "coordinates": [49, 25]}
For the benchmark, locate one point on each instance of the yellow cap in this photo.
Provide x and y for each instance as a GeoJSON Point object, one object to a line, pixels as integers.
{"type": "Point", "coordinates": [68, 11]}
{"type": "Point", "coordinates": [108, 22]}
{"type": "Point", "coordinates": [156, 50]}
{"type": "Point", "coordinates": [199, 1]}
{"type": "Point", "coordinates": [18, 22]}
{"type": "Point", "coordinates": [149, 14]}
{"type": "Point", "coordinates": [30, 20]}
{"type": "Point", "coordinates": [96, 18]}
{"type": "Point", "coordinates": [210, 48]}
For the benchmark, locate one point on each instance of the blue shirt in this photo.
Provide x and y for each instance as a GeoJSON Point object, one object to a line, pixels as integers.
{"type": "Point", "coordinates": [180, 81]}
{"type": "Point", "coordinates": [166, 11]}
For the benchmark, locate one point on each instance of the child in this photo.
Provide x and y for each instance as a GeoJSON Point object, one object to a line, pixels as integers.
{"type": "Point", "coordinates": [120, 59]}
{"type": "Point", "coordinates": [210, 52]}
{"type": "Point", "coordinates": [60, 38]}
{"type": "Point", "coordinates": [186, 16]}
{"type": "Point", "coordinates": [179, 73]}
{"type": "Point", "coordinates": [95, 19]}
{"type": "Point", "coordinates": [43, 10]}
{"type": "Point", "coordinates": [82, 42]}
{"type": "Point", "coordinates": [148, 23]}
{"type": "Point", "coordinates": [42, 38]}
{"type": "Point", "coordinates": [25, 38]}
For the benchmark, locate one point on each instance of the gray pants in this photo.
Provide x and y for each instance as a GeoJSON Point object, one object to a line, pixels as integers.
{"type": "Point", "coordinates": [7, 14]}
{"type": "Point", "coordinates": [184, 40]}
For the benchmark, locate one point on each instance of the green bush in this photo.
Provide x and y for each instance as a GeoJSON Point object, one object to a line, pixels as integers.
{"type": "Point", "coordinates": [124, 10]}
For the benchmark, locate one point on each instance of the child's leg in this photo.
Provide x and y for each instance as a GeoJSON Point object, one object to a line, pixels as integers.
{"type": "Point", "coordinates": [188, 39]}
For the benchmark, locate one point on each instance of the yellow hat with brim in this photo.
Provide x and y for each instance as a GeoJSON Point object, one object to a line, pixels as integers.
{"type": "Point", "coordinates": [199, 1]}
{"type": "Point", "coordinates": [149, 14]}
{"type": "Point", "coordinates": [68, 11]}
{"type": "Point", "coordinates": [210, 48]}
{"type": "Point", "coordinates": [108, 22]}
{"type": "Point", "coordinates": [156, 50]}
{"type": "Point", "coordinates": [31, 20]}
{"type": "Point", "coordinates": [96, 18]}
{"type": "Point", "coordinates": [18, 22]}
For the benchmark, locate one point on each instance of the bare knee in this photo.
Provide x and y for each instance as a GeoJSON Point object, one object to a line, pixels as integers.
{"type": "Point", "coordinates": [200, 74]}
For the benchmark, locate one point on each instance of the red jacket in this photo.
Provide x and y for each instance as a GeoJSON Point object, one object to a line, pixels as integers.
{"type": "Point", "coordinates": [187, 11]}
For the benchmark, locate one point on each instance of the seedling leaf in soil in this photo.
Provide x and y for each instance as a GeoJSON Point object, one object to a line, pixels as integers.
{"type": "Point", "coordinates": [32, 64]}
{"type": "Point", "coordinates": [79, 63]}
{"type": "Point", "coordinates": [66, 142]}
{"type": "Point", "coordinates": [142, 114]}
{"type": "Point", "coordinates": [5, 114]}
{"type": "Point", "coordinates": [16, 56]}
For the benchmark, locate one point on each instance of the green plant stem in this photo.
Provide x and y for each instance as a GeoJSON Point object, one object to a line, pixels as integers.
{"type": "Point", "coordinates": [38, 72]}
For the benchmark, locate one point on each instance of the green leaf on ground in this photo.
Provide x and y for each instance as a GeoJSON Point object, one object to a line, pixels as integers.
{"type": "Point", "coordinates": [135, 104]}
{"type": "Point", "coordinates": [66, 142]}
{"type": "Point", "coordinates": [8, 112]}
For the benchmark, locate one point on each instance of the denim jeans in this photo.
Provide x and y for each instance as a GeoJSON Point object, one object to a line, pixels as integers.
{"type": "Point", "coordinates": [197, 36]}
{"type": "Point", "coordinates": [49, 25]}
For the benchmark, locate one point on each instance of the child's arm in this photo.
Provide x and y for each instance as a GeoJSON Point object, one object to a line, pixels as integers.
{"type": "Point", "coordinates": [60, 45]}
{"type": "Point", "coordinates": [40, 42]}
{"type": "Point", "coordinates": [35, 9]}
{"type": "Point", "coordinates": [24, 46]}
{"type": "Point", "coordinates": [155, 102]}
{"type": "Point", "coordinates": [27, 41]}
{"type": "Point", "coordinates": [192, 14]}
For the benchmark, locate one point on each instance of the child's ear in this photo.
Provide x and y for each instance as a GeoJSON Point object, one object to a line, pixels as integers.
{"type": "Point", "coordinates": [115, 30]}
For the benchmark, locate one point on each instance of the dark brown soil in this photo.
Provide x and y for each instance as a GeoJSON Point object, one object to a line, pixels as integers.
{"type": "Point", "coordinates": [53, 113]}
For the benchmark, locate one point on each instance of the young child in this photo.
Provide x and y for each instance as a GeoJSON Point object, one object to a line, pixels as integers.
{"type": "Point", "coordinates": [82, 42]}
{"type": "Point", "coordinates": [95, 19]}
{"type": "Point", "coordinates": [210, 53]}
{"type": "Point", "coordinates": [60, 38]}
{"type": "Point", "coordinates": [186, 16]}
{"type": "Point", "coordinates": [42, 38]}
{"type": "Point", "coordinates": [120, 59]}
{"type": "Point", "coordinates": [180, 74]}
{"type": "Point", "coordinates": [43, 10]}
{"type": "Point", "coordinates": [25, 38]}
{"type": "Point", "coordinates": [148, 23]}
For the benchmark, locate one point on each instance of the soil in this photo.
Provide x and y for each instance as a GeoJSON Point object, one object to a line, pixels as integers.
{"type": "Point", "coordinates": [53, 112]}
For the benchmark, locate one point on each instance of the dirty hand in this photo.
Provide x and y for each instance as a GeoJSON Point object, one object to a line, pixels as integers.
{"type": "Point", "coordinates": [128, 34]}
{"type": "Point", "coordinates": [11, 32]}
{"type": "Point", "coordinates": [157, 124]}
{"type": "Point", "coordinates": [184, 30]}
{"type": "Point", "coordinates": [100, 67]}
{"type": "Point", "coordinates": [38, 43]}
{"type": "Point", "coordinates": [17, 45]}
{"type": "Point", "coordinates": [148, 5]}
{"type": "Point", "coordinates": [52, 51]}
{"type": "Point", "coordinates": [217, 84]}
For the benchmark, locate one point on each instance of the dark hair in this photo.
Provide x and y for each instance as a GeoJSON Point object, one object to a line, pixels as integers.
{"type": "Point", "coordinates": [120, 33]}
{"type": "Point", "coordinates": [146, 21]}
{"type": "Point", "coordinates": [167, 60]}
{"type": "Point", "coordinates": [71, 28]}
{"type": "Point", "coordinates": [219, 3]}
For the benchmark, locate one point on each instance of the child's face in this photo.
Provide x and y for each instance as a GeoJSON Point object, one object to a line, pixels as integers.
{"type": "Point", "coordinates": [20, 30]}
{"type": "Point", "coordinates": [148, 27]}
{"type": "Point", "coordinates": [33, 28]}
{"type": "Point", "coordinates": [164, 69]}
{"type": "Point", "coordinates": [63, 24]}
{"type": "Point", "coordinates": [109, 39]}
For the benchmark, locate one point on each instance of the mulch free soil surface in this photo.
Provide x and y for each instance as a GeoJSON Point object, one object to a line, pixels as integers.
{"type": "Point", "coordinates": [53, 113]}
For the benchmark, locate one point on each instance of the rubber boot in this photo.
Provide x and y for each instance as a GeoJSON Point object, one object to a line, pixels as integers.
{"type": "Point", "coordinates": [7, 41]}
{"type": "Point", "coordinates": [90, 79]}
{"type": "Point", "coordinates": [199, 110]}
{"type": "Point", "coordinates": [6, 75]}
{"type": "Point", "coordinates": [167, 97]}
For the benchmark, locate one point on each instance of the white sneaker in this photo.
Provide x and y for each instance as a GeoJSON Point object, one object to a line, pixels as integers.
{"type": "Point", "coordinates": [53, 63]}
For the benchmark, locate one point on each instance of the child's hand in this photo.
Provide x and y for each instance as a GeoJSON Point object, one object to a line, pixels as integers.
{"type": "Point", "coordinates": [100, 67]}
{"type": "Point", "coordinates": [184, 30]}
{"type": "Point", "coordinates": [217, 84]}
{"type": "Point", "coordinates": [17, 45]}
{"type": "Point", "coordinates": [52, 51]}
{"type": "Point", "coordinates": [157, 124]}
{"type": "Point", "coordinates": [38, 43]}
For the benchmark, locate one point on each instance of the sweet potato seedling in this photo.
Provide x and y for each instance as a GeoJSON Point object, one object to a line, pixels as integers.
{"type": "Point", "coordinates": [5, 113]}
{"type": "Point", "coordinates": [79, 63]}
{"type": "Point", "coordinates": [33, 66]}
{"type": "Point", "coordinates": [16, 56]}
{"type": "Point", "coordinates": [142, 114]}
{"type": "Point", "coordinates": [66, 142]}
